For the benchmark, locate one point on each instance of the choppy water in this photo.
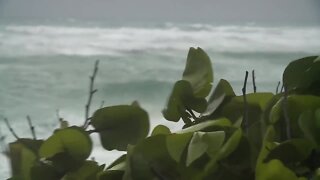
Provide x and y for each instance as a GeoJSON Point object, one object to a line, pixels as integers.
{"type": "Point", "coordinates": [44, 67]}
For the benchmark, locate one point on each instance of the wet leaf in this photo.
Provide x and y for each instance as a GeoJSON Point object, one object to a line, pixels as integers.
{"type": "Point", "coordinates": [198, 72]}
{"type": "Point", "coordinates": [121, 125]}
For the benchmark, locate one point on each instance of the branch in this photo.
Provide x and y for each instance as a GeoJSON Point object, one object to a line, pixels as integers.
{"type": "Point", "coordinates": [102, 104]}
{"type": "Point", "coordinates": [281, 88]}
{"type": "Point", "coordinates": [10, 129]}
{"type": "Point", "coordinates": [31, 128]}
{"type": "Point", "coordinates": [277, 90]}
{"type": "Point", "coordinates": [285, 113]}
{"type": "Point", "coordinates": [91, 92]}
{"type": "Point", "coordinates": [254, 82]}
{"type": "Point", "coordinates": [245, 106]}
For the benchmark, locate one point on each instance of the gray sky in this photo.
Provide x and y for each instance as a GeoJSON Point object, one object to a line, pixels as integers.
{"type": "Point", "coordinates": [228, 11]}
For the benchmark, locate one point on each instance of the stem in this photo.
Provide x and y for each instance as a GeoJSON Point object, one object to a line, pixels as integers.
{"type": "Point", "coordinates": [91, 92]}
{"type": "Point", "coordinates": [245, 106]}
{"type": "Point", "coordinates": [281, 88]}
{"type": "Point", "coordinates": [10, 129]}
{"type": "Point", "coordinates": [254, 82]}
{"type": "Point", "coordinates": [285, 113]}
{"type": "Point", "coordinates": [102, 103]}
{"type": "Point", "coordinates": [31, 128]}
{"type": "Point", "coordinates": [277, 90]}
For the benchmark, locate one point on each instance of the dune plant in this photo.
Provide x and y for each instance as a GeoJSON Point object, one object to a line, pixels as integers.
{"type": "Point", "coordinates": [259, 135]}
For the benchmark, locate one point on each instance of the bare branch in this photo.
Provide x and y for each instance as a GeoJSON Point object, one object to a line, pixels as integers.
{"type": "Point", "coordinates": [285, 113]}
{"type": "Point", "coordinates": [10, 129]}
{"type": "Point", "coordinates": [254, 82]}
{"type": "Point", "coordinates": [245, 103]}
{"type": "Point", "coordinates": [31, 128]}
{"type": "Point", "coordinates": [277, 90]}
{"type": "Point", "coordinates": [91, 92]}
{"type": "Point", "coordinates": [102, 104]}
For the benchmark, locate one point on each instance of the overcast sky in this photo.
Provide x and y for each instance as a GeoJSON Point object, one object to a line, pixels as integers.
{"type": "Point", "coordinates": [228, 11]}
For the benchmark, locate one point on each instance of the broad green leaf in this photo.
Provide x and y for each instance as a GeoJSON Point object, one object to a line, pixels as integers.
{"type": "Point", "coordinates": [44, 171]}
{"type": "Point", "coordinates": [72, 141]}
{"type": "Point", "coordinates": [118, 164]}
{"type": "Point", "coordinates": [214, 140]}
{"type": "Point", "coordinates": [150, 159]}
{"type": "Point", "coordinates": [23, 155]}
{"type": "Point", "coordinates": [230, 145]}
{"type": "Point", "coordinates": [160, 129]}
{"type": "Point", "coordinates": [303, 74]}
{"type": "Point", "coordinates": [176, 144]}
{"type": "Point", "coordinates": [291, 151]}
{"type": "Point", "coordinates": [257, 103]}
{"type": "Point", "coordinates": [309, 123]}
{"type": "Point", "coordinates": [275, 170]}
{"type": "Point", "coordinates": [296, 105]}
{"type": "Point", "coordinates": [88, 171]}
{"type": "Point", "coordinates": [202, 142]}
{"type": "Point", "coordinates": [196, 148]}
{"type": "Point", "coordinates": [219, 95]}
{"type": "Point", "coordinates": [120, 125]}
{"type": "Point", "coordinates": [111, 175]}
{"type": "Point", "coordinates": [207, 125]}
{"type": "Point", "coordinates": [198, 72]}
{"type": "Point", "coordinates": [181, 99]}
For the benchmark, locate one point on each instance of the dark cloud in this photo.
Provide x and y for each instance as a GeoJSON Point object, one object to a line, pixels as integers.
{"type": "Point", "coordinates": [277, 11]}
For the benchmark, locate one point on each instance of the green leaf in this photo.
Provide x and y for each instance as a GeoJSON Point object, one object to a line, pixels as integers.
{"type": "Point", "coordinates": [275, 170]}
{"type": "Point", "coordinates": [23, 155]}
{"type": "Point", "coordinates": [110, 175]}
{"type": "Point", "coordinates": [230, 146]}
{"type": "Point", "coordinates": [291, 151]}
{"type": "Point", "coordinates": [181, 99]}
{"type": "Point", "coordinates": [214, 140]}
{"type": "Point", "coordinates": [150, 159]}
{"type": "Point", "coordinates": [309, 123]}
{"type": "Point", "coordinates": [198, 72]}
{"type": "Point", "coordinates": [202, 142]}
{"type": "Point", "coordinates": [72, 141]}
{"type": "Point", "coordinates": [303, 74]}
{"type": "Point", "coordinates": [257, 103]}
{"type": "Point", "coordinates": [118, 164]}
{"type": "Point", "coordinates": [207, 125]}
{"type": "Point", "coordinates": [219, 95]}
{"type": "Point", "coordinates": [88, 171]}
{"type": "Point", "coordinates": [44, 171]}
{"type": "Point", "coordinates": [296, 105]}
{"type": "Point", "coordinates": [176, 144]}
{"type": "Point", "coordinates": [160, 129]}
{"type": "Point", "coordinates": [121, 125]}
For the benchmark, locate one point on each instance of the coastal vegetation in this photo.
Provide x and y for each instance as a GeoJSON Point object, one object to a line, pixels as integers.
{"type": "Point", "coordinates": [259, 135]}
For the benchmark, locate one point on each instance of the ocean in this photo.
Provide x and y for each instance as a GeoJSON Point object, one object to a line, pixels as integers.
{"type": "Point", "coordinates": [45, 67]}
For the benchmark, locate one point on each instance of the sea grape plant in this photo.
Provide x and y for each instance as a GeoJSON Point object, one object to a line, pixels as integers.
{"type": "Point", "coordinates": [260, 135]}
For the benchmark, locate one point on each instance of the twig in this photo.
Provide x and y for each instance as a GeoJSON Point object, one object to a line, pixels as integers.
{"type": "Point", "coordinates": [254, 82]}
{"type": "Point", "coordinates": [31, 128]}
{"type": "Point", "coordinates": [102, 103]}
{"type": "Point", "coordinates": [277, 90]}
{"type": "Point", "coordinates": [10, 129]}
{"type": "Point", "coordinates": [91, 92]}
{"type": "Point", "coordinates": [285, 113]}
{"type": "Point", "coordinates": [245, 106]}
{"type": "Point", "coordinates": [58, 115]}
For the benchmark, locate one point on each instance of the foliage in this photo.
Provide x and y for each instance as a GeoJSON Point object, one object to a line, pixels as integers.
{"type": "Point", "coordinates": [278, 139]}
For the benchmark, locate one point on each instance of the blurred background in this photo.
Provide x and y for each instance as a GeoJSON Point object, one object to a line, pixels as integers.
{"type": "Point", "coordinates": [48, 49]}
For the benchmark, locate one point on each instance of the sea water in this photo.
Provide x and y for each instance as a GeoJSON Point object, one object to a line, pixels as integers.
{"type": "Point", "coordinates": [45, 67]}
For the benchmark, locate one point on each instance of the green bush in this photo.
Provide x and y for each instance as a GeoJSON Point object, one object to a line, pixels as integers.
{"type": "Point", "coordinates": [261, 136]}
